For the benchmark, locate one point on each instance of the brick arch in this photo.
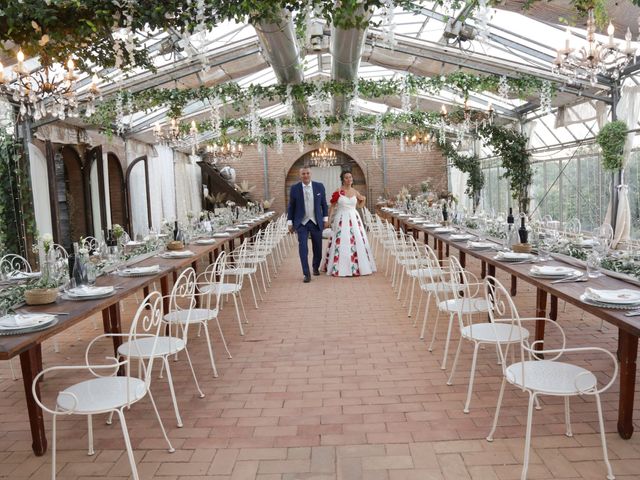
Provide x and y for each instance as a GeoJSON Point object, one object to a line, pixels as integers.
{"type": "Point", "coordinates": [344, 159]}
{"type": "Point", "coordinates": [73, 210]}
{"type": "Point", "coordinates": [118, 207]}
{"type": "Point", "coordinates": [345, 151]}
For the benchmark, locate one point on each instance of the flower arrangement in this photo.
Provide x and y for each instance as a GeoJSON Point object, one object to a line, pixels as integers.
{"type": "Point", "coordinates": [230, 204]}
{"type": "Point", "coordinates": [118, 231]}
{"type": "Point", "coordinates": [267, 203]}
{"type": "Point", "coordinates": [47, 242]}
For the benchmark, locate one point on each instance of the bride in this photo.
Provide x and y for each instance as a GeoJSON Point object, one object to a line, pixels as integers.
{"type": "Point", "coordinates": [348, 253]}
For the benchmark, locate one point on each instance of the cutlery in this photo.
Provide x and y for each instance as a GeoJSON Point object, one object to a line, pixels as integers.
{"type": "Point", "coordinates": [580, 278]}
{"type": "Point", "coordinates": [635, 313]}
{"type": "Point", "coordinates": [45, 313]}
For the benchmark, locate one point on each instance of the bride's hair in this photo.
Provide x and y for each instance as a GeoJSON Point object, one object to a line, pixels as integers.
{"type": "Point", "coordinates": [343, 173]}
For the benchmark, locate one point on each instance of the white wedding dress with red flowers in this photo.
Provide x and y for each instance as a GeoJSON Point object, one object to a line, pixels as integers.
{"type": "Point", "coordinates": [349, 253]}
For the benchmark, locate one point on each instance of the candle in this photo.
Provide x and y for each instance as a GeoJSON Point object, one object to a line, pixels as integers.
{"type": "Point", "coordinates": [443, 110]}
{"type": "Point", "coordinates": [610, 30]}
{"type": "Point", "coordinates": [627, 37]}
{"type": "Point", "coordinates": [20, 67]}
{"type": "Point", "coordinates": [1, 73]}
{"type": "Point", "coordinates": [567, 41]}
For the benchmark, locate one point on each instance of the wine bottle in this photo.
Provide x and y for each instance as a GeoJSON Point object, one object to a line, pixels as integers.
{"type": "Point", "coordinates": [176, 231]}
{"type": "Point", "coordinates": [510, 219]}
{"type": "Point", "coordinates": [522, 231]}
{"type": "Point", "coordinates": [445, 214]}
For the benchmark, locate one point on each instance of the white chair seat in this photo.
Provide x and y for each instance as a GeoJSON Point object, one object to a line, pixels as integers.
{"type": "Point", "coordinates": [424, 272]}
{"type": "Point", "coordinates": [101, 394]}
{"type": "Point", "coordinates": [557, 378]}
{"type": "Point", "coordinates": [467, 306]}
{"type": "Point", "coordinates": [240, 271]}
{"type": "Point", "coordinates": [143, 347]}
{"type": "Point", "coordinates": [502, 333]}
{"type": "Point", "coordinates": [196, 315]}
{"type": "Point", "coordinates": [220, 288]}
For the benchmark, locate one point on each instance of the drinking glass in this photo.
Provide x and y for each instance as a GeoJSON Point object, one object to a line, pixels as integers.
{"type": "Point", "coordinates": [594, 261]}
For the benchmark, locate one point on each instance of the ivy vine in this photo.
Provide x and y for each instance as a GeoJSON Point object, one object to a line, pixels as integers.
{"type": "Point", "coordinates": [469, 164]}
{"type": "Point", "coordinates": [611, 140]}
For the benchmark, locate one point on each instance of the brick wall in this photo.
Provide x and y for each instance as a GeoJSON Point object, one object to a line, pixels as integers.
{"type": "Point", "coordinates": [402, 169]}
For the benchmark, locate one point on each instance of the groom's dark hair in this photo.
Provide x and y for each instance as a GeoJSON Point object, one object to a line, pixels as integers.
{"type": "Point", "coordinates": [343, 173]}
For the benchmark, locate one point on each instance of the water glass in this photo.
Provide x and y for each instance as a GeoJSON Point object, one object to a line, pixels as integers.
{"type": "Point", "coordinates": [593, 264]}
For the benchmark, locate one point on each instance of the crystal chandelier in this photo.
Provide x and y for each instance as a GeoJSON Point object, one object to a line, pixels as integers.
{"type": "Point", "coordinates": [48, 90]}
{"type": "Point", "coordinates": [323, 157]}
{"type": "Point", "coordinates": [418, 142]}
{"type": "Point", "coordinates": [595, 58]}
{"type": "Point", "coordinates": [226, 152]}
{"type": "Point", "coordinates": [174, 137]}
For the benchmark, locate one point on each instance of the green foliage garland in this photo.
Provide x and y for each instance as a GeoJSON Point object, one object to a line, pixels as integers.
{"type": "Point", "coordinates": [511, 147]}
{"type": "Point", "coordinates": [17, 220]}
{"type": "Point", "coordinates": [469, 164]}
{"type": "Point", "coordinates": [611, 140]}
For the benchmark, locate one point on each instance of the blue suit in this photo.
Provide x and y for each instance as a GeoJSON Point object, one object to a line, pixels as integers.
{"type": "Point", "coordinates": [296, 214]}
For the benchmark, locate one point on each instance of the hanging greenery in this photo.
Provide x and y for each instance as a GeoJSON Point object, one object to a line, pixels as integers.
{"type": "Point", "coordinates": [611, 140]}
{"type": "Point", "coordinates": [511, 147]}
{"type": "Point", "coordinates": [240, 98]}
{"type": "Point", "coordinates": [469, 164]}
{"type": "Point", "coordinates": [17, 220]}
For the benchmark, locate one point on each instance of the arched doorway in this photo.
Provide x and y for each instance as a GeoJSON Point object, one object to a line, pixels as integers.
{"type": "Point", "coordinates": [117, 192]}
{"type": "Point", "coordinates": [329, 176]}
{"type": "Point", "coordinates": [71, 205]}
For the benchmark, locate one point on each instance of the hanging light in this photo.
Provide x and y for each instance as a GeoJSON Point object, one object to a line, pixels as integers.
{"type": "Point", "coordinates": [419, 142]}
{"type": "Point", "coordinates": [225, 152]}
{"type": "Point", "coordinates": [323, 157]}
{"type": "Point", "coordinates": [48, 90]}
{"type": "Point", "coordinates": [594, 58]}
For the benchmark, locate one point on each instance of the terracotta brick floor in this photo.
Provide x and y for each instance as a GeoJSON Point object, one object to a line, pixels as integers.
{"type": "Point", "coordinates": [330, 382]}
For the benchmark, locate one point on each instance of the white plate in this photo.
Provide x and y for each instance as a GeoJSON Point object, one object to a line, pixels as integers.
{"type": "Point", "coordinates": [586, 243]}
{"type": "Point", "coordinates": [623, 296]}
{"type": "Point", "coordinates": [178, 254]}
{"type": "Point", "coordinates": [463, 236]}
{"type": "Point", "coordinates": [553, 271]}
{"type": "Point", "coordinates": [481, 245]}
{"type": "Point", "coordinates": [432, 225]}
{"type": "Point", "coordinates": [232, 229]}
{"type": "Point", "coordinates": [444, 230]}
{"type": "Point", "coordinates": [619, 306]}
{"type": "Point", "coordinates": [242, 225]}
{"type": "Point", "coordinates": [139, 271]}
{"type": "Point", "coordinates": [206, 241]}
{"type": "Point", "coordinates": [21, 321]}
{"type": "Point", "coordinates": [221, 235]}
{"type": "Point", "coordinates": [22, 275]}
{"type": "Point", "coordinates": [133, 244]}
{"type": "Point", "coordinates": [76, 298]}
{"type": "Point", "coordinates": [514, 256]}
{"type": "Point", "coordinates": [89, 291]}
{"type": "Point", "coordinates": [404, 215]}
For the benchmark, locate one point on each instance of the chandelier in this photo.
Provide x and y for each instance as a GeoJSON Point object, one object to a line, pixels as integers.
{"type": "Point", "coordinates": [226, 152]}
{"type": "Point", "coordinates": [418, 142]}
{"type": "Point", "coordinates": [48, 90]}
{"type": "Point", "coordinates": [595, 58]}
{"type": "Point", "coordinates": [323, 157]}
{"type": "Point", "coordinates": [174, 137]}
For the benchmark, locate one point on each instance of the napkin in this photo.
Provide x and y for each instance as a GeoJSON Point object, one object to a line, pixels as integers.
{"type": "Point", "coordinates": [431, 225]}
{"type": "Point", "coordinates": [141, 270]}
{"type": "Point", "coordinates": [206, 241]}
{"type": "Point", "coordinates": [24, 320]}
{"type": "Point", "coordinates": [243, 225]}
{"type": "Point", "coordinates": [461, 236]}
{"type": "Point", "coordinates": [553, 270]}
{"type": "Point", "coordinates": [179, 254]}
{"type": "Point", "coordinates": [514, 255]}
{"type": "Point", "coordinates": [481, 245]}
{"type": "Point", "coordinates": [444, 229]}
{"type": "Point", "coordinates": [622, 296]}
{"type": "Point", "coordinates": [87, 291]}
{"type": "Point", "coordinates": [221, 235]}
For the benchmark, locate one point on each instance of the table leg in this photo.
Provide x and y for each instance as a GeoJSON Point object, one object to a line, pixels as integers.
{"type": "Point", "coordinates": [553, 309]}
{"type": "Point", "coordinates": [541, 312]}
{"type": "Point", "coordinates": [462, 256]}
{"type": "Point", "coordinates": [31, 365]}
{"type": "Point", "coordinates": [483, 269]}
{"type": "Point", "coordinates": [164, 289]}
{"type": "Point", "coordinates": [514, 285]}
{"type": "Point", "coordinates": [628, 353]}
{"type": "Point", "coordinates": [447, 250]}
{"type": "Point", "coordinates": [440, 252]}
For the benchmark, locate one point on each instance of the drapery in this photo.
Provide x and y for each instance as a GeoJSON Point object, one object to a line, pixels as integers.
{"type": "Point", "coordinates": [627, 110]}
{"type": "Point", "coordinates": [40, 189]}
{"type": "Point", "coordinates": [161, 186]}
{"type": "Point", "coordinates": [188, 186]}
{"type": "Point", "coordinates": [330, 178]}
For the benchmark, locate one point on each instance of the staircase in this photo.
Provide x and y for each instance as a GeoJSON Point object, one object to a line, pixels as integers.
{"type": "Point", "coordinates": [216, 183]}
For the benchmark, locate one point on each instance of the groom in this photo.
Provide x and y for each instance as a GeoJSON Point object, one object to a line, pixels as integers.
{"type": "Point", "coordinates": [308, 215]}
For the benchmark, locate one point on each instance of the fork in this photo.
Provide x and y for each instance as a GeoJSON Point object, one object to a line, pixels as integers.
{"type": "Point", "coordinates": [576, 278]}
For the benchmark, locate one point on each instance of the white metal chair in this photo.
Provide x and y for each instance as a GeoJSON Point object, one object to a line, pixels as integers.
{"type": "Point", "coordinates": [90, 243]}
{"type": "Point", "coordinates": [12, 264]}
{"type": "Point", "coordinates": [536, 376]}
{"type": "Point", "coordinates": [239, 265]}
{"type": "Point", "coordinates": [110, 393]}
{"type": "Point", "coordinates": [181, 303]}
{"type": "Point", "coordinates": [466, 285]}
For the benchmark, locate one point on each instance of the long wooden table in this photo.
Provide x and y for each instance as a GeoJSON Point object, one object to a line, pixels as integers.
{"type": "Point", "coordinates": [29, 346]}
{"type": "Point", "coordinates": [628, 327]}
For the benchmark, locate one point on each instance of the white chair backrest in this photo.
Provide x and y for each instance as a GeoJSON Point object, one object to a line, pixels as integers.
{"type": "Point", "coordinates": [182, 299]}
{"type": "Point", "coordinates": [214, 273]}
{"type": "Point", "coordinates": [60, 251]}
{"type": "Point", "coordinates": [12, 263]}
{"type": "Point", "coordinates": [90, 243]}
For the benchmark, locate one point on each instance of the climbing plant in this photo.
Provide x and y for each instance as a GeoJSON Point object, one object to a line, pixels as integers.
{"type": "Point", "coordinates": [469, 164]}
{"type": "Point", "coordinates": [611, 140]}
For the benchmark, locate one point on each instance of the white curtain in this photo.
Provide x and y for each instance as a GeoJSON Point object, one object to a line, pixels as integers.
{"type": "Point", "coordinates": [188, 186]}
{"type": "Point", "coordinates": [329, 177]}
{"type": "Point", "coordinates": [161, 186]}
{"type": "Point", "coordinates": [40, 189]}
{"type": "Point", "coordinates": [95, 201]}
{"type": "Point", "coordinates": [628, 110]}
{"type": "Point", "coordinates": [138, 195]}
{"type": "Point", "coordinates": [458, 186]}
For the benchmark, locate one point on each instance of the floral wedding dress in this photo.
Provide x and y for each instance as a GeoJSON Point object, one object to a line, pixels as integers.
{"type": "Point", "coordinates": [349, 253]}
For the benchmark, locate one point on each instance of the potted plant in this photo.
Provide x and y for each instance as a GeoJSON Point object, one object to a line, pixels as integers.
{"type": "Point", "coordinates": [45, 289]}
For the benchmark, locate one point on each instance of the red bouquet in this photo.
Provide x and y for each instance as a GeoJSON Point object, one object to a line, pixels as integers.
{"type": "Point", "coordinates": [336, 195]}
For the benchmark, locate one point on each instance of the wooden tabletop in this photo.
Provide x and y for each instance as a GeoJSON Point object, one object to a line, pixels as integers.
{"type": "Point", "coordinates": [12, 345]}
